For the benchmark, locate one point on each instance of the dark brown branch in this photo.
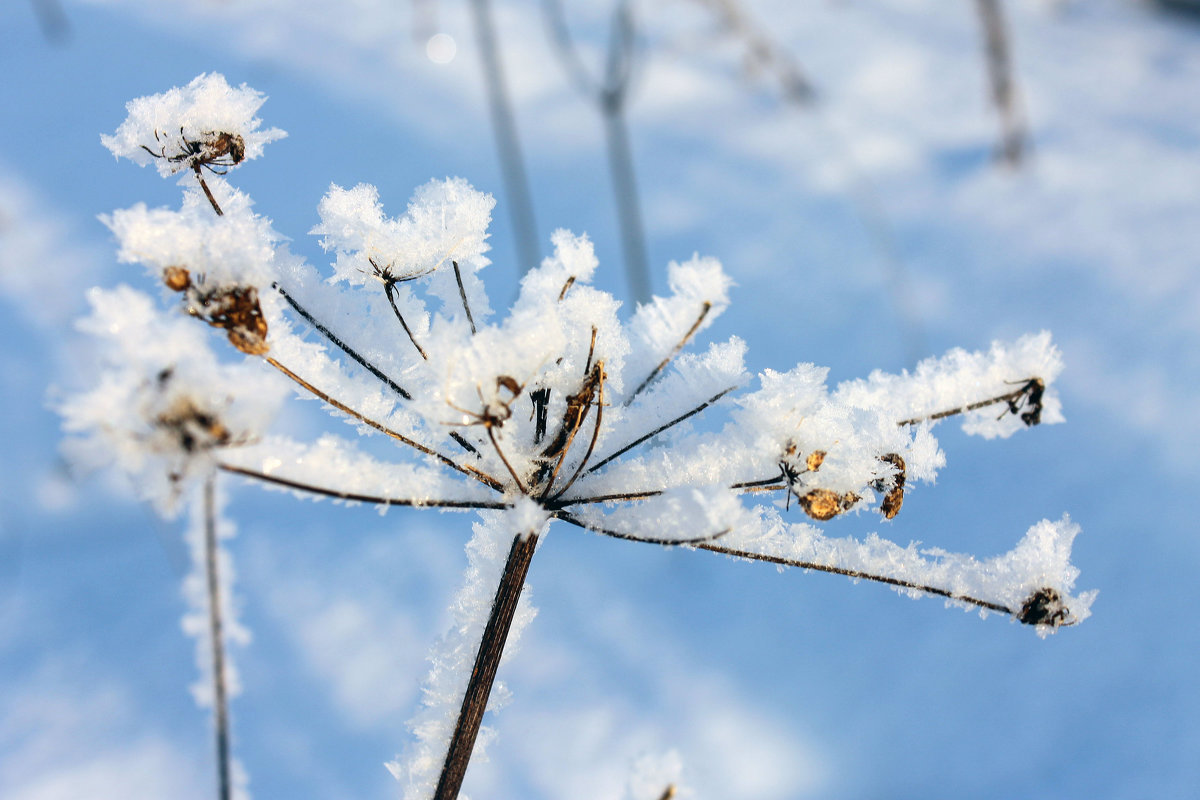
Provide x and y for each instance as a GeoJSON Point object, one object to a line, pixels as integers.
{"type": "Point", "coordinates": [1031, 390]}
{"type": "Point", "coordinates": [216, 636]}
{"type": "Point", "coordinates": [856, 574]}
{"type": "Point", "coordinates": [389, 290]}
{"type": "Point", "coordinates": [695, 541]}
{"type": "Point", "coordinates": [345, 348]}
{"type": "Point", "coordinates": [487, 661]}
{"type": "Point", "coordinates": [566, 287]}
{"type": "Point", "coordinates": [662, 428]}
{"type": "Point", "coordinates": [678, 346]}
{"type": "Point", "coordinates": [207, 193]}
{"type": "Point", "coordinates": [378, 500]}
{"type": "Point", "coordinates": [499, 452]}
{"type": "Point", "coordinates": [463, 294]}
{"type": "Point", "coordinates": [591, 445]}
{"type": "Point", "coordinates": [478, 475]}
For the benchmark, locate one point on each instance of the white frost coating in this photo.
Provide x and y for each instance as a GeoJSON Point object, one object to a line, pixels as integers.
{"type": "Point", "coordinates": [160, 126]}
{"type": "Point", "coordinates": [659, 325]}
{"type": "Point", "coordinates": [960, 378]}
{"type": "Point", "coordinates": [237, 248]}
{"type": "Point", "coordinates": [1041, 560]}
{"type": "Point", "coordinates": [454, 656]}
{"type": "Point", "coordinates": [162, 405]}
{"type": "Point", "coordinates": [446, 222]}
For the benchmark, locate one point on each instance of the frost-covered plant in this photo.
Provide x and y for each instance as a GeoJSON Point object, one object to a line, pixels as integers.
{"type": "Point", "coordinates": [562, 410]}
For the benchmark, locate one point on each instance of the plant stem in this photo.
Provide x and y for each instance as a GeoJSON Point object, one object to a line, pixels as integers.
{"type": "Point", "coordinates": [207, 192]}
{"type": "Point", "coordinates": [217, 638]}
{"type": "Point", "coordinates": [487, 661]}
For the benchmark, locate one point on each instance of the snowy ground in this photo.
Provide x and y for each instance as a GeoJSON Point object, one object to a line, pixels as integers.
{"type": "Point", "coordinates": [863, 233]}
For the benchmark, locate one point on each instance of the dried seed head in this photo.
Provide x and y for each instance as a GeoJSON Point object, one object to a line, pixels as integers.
{"type": "Point", "coordinates": [177, 279]}
{"type": "Point", "coordinates": [192, 428]}
{"type": "Point", "coordinates": [815, 459]}
{"type": "Point", "coordinates": [510, 383]}
{"type": "Point", "coordinates": [824, 504]}
{"type": "Point", "coordinates": [1044, 607]}
{"type": "Point", "coordinates": [219, 145]}
{"type": "Point", "coordinates": [236, 311]}
{"type": "Point", "coordinates": [894, 499]}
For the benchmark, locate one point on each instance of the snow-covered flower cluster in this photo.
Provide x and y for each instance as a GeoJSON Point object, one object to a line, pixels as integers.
{"type": "Point", "coordinates": [562, 409]}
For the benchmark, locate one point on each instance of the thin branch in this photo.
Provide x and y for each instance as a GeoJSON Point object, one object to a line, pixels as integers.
{"type": "Point", "coordinates": [377, 500]}
{"type": "Point", "coordinates": [762, 52]}
{"type": "Point", "coordinates": [499, 452]}
{"type": "Point", "coordinates": [662, 428]}
{"type": "Point", "coordinates": [1031, 390]}
{"type": "Point", "coordinates": [856, 574]}
{"type": "Point", "coordinates": [478, 475]}
{"type": "Point", "coordinates": [463, 294]}
{"type": "Point", "coordinates": [216, 640]}
{"type": "Point", "coordinates": [747, 487]}
{"type": "Point", "coordinates": [508, 146]}
{"type": "Point", "coordinates": [345, 348]}
{"type": "Point", "coordinates": [389, 289]}
{"type": "Point", "coordinates": [682, 343]}
{"type": "Point", "coordinates": [591, 445]}
{"type": "Point", "coordinates": [487, 661]}
{"type": "Point", "coordinates": [695, 541]}
{"type": "Point", "coordinates": [207, 193]}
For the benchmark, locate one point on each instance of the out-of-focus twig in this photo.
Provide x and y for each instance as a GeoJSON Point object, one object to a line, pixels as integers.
{"type": "Point", "coordinates": [216, 640]}
{"type": "Point", "coordinates": [998, 55]}
{"type": "Point", "coordinates": [52, 20]}
{"type": "Point", "coordinates": [761, 52]}
{"type": "Point", "coordinates": [508, 145]}
{"type": "Point", "coordinates": [611, 96]}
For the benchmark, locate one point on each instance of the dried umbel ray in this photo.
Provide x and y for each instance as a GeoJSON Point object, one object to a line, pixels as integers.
{"type": "Point", "coordinates": [561, 411]}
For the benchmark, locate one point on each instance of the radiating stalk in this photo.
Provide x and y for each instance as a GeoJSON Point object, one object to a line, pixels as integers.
{"type": "Point", "coordinates": [487, 661]}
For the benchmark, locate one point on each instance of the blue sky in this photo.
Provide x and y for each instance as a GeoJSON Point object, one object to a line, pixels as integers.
{"type": "Point", "coordinates": [862, 233]}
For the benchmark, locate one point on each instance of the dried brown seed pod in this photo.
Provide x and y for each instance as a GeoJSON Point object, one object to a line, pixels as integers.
{"type": "Point", "coordinates": [894, 499]}
{"type": "Point", "coordinates": [1043, 607]}
{"type": "Point", "coordinates": [236, 311]}
{"type": "Point", "coordinates": [824, 504]}
{"type": "Point", "coordinates": [815, 459]}
{"type": "Point", "coordinates": [195, 429]}
{"type": "Point", "coordinates": [177, 279]}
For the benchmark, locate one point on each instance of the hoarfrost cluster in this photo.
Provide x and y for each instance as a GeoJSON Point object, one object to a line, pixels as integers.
{"type": "Point", "coordinates": [566, 408]}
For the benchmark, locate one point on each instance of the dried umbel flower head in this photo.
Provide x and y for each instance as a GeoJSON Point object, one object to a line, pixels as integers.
{"type": "Point", "coordinates": [207, 123]}
{"type": "Point", "coordinates": [162, 406]}
{"type": "Point", "coordinates": [561, 410]}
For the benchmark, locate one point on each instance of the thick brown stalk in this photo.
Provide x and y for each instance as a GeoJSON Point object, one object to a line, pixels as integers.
{"type": "Point", "coordinates": [487, 661]}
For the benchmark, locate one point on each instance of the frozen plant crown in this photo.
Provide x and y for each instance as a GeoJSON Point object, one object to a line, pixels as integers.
{"type": "Point", "coordinates": [558, 410]}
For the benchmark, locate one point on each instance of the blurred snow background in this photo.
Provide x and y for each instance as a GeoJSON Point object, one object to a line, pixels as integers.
{"type": "Point", "coordinates": [866, 231]}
